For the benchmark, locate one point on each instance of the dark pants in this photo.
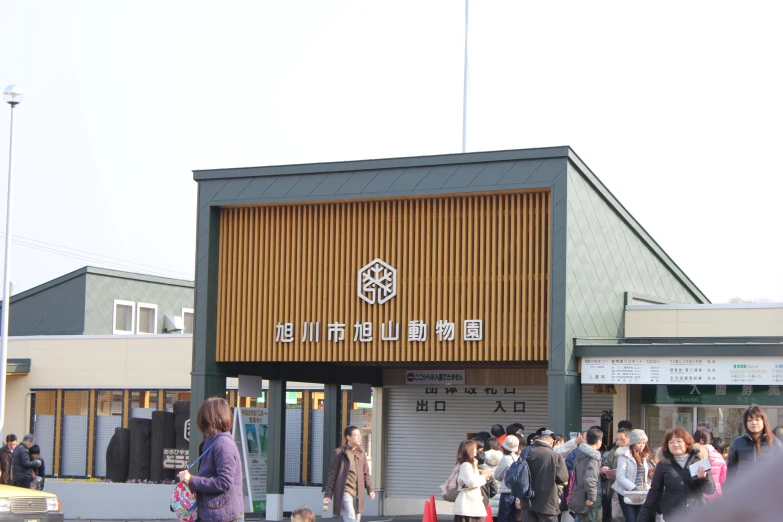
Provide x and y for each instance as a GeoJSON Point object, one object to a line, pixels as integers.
{"type": "Point", "coordinates": [630, 512]}
{"type": "Point", "coordinates": [606, 501]}
{"type": "Point", "coordinates": [540, 517]}
{"type": "Point", "coordinates": [23, 483]}
{"type": "Point", "coordinates": [507, 508]}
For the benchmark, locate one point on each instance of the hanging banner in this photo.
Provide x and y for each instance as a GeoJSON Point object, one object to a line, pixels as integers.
{"type": "Point", "coordinates": [683, 370]}
{"type": "Point", "coordinates": [250, 434]}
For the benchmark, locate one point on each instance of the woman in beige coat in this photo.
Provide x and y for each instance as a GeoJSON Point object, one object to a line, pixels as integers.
{"type": "Point", "coordinates": [469, 506]}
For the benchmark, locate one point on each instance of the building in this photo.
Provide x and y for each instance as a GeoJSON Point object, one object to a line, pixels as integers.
{"type": "Point", "coordinates": [89, 350]}
{"type": "Point", "coordinates": [471, 273]}
{"type": "Point", "coordinates": [681, 365]}
{"type": "Point", "coordinates": [94, 348]}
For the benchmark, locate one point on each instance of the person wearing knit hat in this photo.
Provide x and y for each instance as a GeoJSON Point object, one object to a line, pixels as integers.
{"type": "Point", "coordinates": [637, 436]}
{"type": "Point", "coordinates": [634, 468]}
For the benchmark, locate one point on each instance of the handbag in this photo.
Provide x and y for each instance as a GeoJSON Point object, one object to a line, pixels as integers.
{"type": "Point", "coordinates": [637, 498]}
{"type": "Point", "coordinates": [449, 489]}
{"type": "Point", "coordinates": [183, 502]}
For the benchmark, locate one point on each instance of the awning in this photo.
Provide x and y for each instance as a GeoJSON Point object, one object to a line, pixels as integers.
{"type": "Point", "coordinates": [18, 366]}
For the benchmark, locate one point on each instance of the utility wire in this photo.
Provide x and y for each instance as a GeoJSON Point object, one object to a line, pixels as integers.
{"type": "Point", "coordinates": [90, 256]}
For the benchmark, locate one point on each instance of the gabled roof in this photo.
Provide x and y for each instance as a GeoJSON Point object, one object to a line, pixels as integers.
{"type": "Point", "coordinates": [564, 152]}
{"type": "Point", "coordinates": [101, 272]}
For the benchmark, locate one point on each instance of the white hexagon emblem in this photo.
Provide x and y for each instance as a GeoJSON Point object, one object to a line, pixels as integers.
{"type": "Point", "coordinates": [377, 282]}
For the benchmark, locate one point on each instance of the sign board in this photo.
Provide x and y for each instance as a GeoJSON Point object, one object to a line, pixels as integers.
{"type": "Point", "coordinates": [175, 458]}
{"type": "Point", "coordinates": [683, 370]}
{"type": "Point", "coordinates": [435, 377]}
{"type": "Point", "coordinates": [250, 434]}
{"type": "Point", "coordinates": [187, 430]}
{"type": "Point", "coordinates": [718, 395]}
{"type": "Point", "coordinates": [589, 422]}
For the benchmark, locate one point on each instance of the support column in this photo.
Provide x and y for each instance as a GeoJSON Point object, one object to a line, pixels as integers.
{"type": "Point", "coordinates": [206, 379]}
{"type": "Point", "coordinates": [565, 402]}
{"type": "Point", "coordinates": [333, 437]}
{"type": "Point", "coordinates": [275, 471]}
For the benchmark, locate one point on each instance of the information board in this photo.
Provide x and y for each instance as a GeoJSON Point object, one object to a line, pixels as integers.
{"type": "Point", "coordinates": [250, 434]}
{"type": "Point", "coordinates": [683, 370]}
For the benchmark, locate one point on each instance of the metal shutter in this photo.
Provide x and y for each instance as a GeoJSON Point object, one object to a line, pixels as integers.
{"type": "Point", "coordinates": [44, 437]}
{"type": "Point", "coordinates": [293, 446]}
{"type": "Point", "coordinates": [422, 446]}
{"type": "Point", "coordinates": [316, 446]}
{"type": "Point", "coordinates": [593, 404]}
{"type": "Point", "coordinates": [74, 463]}
{"type": "Point", "coordinates": [104, 431]}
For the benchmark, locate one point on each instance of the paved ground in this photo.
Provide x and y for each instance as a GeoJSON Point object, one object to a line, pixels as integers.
{"type": "Point", "coordinates": [318, 519]}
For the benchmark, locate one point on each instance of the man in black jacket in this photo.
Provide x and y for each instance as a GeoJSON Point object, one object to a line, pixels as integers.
{"type": "Point", "coordinates": [22, 465]}
{"type": "Point", "coordinates": [547, 470]}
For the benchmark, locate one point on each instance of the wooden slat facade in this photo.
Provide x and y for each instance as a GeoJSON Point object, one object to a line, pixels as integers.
{"type": "Point", "coordinates": [483, 256]}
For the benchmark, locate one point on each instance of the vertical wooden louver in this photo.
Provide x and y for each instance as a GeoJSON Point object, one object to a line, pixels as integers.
{"type": "Point", "coordinates": [460, 257]}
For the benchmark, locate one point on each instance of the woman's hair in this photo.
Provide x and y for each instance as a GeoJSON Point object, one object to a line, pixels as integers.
{"type": "Point", "coordinates": [491, 444]}
{"type": "Point", "coordinates": [303, 514]}
{"type": "Point", "coordinates": [766, 433]}
{"type": "Point", "coordinates": [639, 455]}
{"type": "Point", "coordinates": [719, 443]}
{"type": "Point", "coordinates": [463, 454]}
{"type": "Point", "coordinates": [213, 415]}
{"type": "Point", "coordinates": [678, 433]}
{"type": "Point", "coordinates": [702, 435]}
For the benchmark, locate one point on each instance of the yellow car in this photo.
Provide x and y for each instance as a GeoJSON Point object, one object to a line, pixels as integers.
{"type": "Point", "coordinates": [28, 505]}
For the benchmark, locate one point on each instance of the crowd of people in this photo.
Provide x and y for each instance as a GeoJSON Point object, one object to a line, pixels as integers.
{"type": "Point", "coordinates": [596, 480]}
{"type": "Point", "coordinates": [21, 464]}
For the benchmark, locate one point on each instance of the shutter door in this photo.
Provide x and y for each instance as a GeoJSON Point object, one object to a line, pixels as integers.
{"type": "Point", "coordinates": [421, 447]}
{"type": "Point", "coordinates": [594, 404]}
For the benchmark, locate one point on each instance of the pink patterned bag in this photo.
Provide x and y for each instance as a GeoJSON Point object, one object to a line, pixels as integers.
{"type": "Point", "coordinates": [183, 503]}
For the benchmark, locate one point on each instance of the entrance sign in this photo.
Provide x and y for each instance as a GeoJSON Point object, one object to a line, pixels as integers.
{"type": "Point", "coordinates": [683, 370]}
{"type": "Point", "coordinates": [250, 430]}
{"type": "Point", "coordinates": [377, 282]}
{"type": "Point", "coordinates": [175, 458]}
{"type": "Point", "coordinates": [717, 395]}
{"type": "Point", "coordinates": [435, 377]}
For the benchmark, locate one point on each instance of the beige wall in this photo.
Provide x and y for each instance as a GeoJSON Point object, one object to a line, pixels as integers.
{"type": "Point", "coordinates": [704, 321]}
{"type": "Point", "coordinates": [105, 362]}
{"type": "Point", "coordinates": [152, 362]}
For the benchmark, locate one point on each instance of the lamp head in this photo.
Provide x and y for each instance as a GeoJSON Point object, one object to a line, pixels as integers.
{"type": "Point", "coordinates": [13, 95]}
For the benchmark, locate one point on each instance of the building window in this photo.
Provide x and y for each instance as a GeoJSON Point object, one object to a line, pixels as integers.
{"type": "Point", "coordinates": [147, 318]}
{"type": "Point", "coordinates": [187, 320]}
{"type": "Point", "coordinates": [123, 317]}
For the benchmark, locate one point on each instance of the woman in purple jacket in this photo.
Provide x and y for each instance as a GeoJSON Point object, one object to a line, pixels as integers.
{"type": "Point", "coordinates": [218, 484]}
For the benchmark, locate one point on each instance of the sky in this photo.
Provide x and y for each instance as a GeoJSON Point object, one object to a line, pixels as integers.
{"type": "Point", "coordinates": [675, 106]}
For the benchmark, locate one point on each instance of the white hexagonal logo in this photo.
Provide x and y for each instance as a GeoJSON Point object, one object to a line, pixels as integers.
{"type": "Point", "coordinates": [377, 282]}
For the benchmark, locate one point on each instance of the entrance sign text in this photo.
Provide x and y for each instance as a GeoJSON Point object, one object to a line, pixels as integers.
{"type": "Point", "coordinates": [683, 370]}
{"type": "Point", "coordinates": [364, 332]}
{"type": "Point", "coordinates": [430, 377]}
{"type": "Point", "coordinates": [377, 282]}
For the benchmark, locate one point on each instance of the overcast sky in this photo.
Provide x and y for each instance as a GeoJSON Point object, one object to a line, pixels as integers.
{"type": "Point", "coordinates": [676, 106]}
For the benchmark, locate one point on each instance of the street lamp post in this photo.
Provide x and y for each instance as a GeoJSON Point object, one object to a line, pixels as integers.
{"type": "Point", "coordinates": [12, 95]}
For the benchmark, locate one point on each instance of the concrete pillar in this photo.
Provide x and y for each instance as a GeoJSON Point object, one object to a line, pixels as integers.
{"type": "Point", "coordinates": [275, 474]}
{"type": "Point", "coordinates": [620, 404]}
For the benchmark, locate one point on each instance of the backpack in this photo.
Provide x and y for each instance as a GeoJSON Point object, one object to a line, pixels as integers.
{"type": "Point", "coordinates": [517, 478]}
{"type": "Point", "coordinates": [449, 489]}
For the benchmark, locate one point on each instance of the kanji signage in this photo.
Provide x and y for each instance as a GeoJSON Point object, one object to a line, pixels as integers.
{"type": "Point", "coordinates": [683, 370]}
{"type": "Point", "coordinates": [435, 377]}
{"type": "Point", "coordinates": [437, 399]}
{"type": "Point", "coordinates": [767, 395]}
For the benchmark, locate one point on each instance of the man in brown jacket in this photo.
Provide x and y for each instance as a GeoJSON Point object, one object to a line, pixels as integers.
{"type": "Point", "coordinates": [349, 477]}
{"type": "Point", "coordinates": [5, 459]}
